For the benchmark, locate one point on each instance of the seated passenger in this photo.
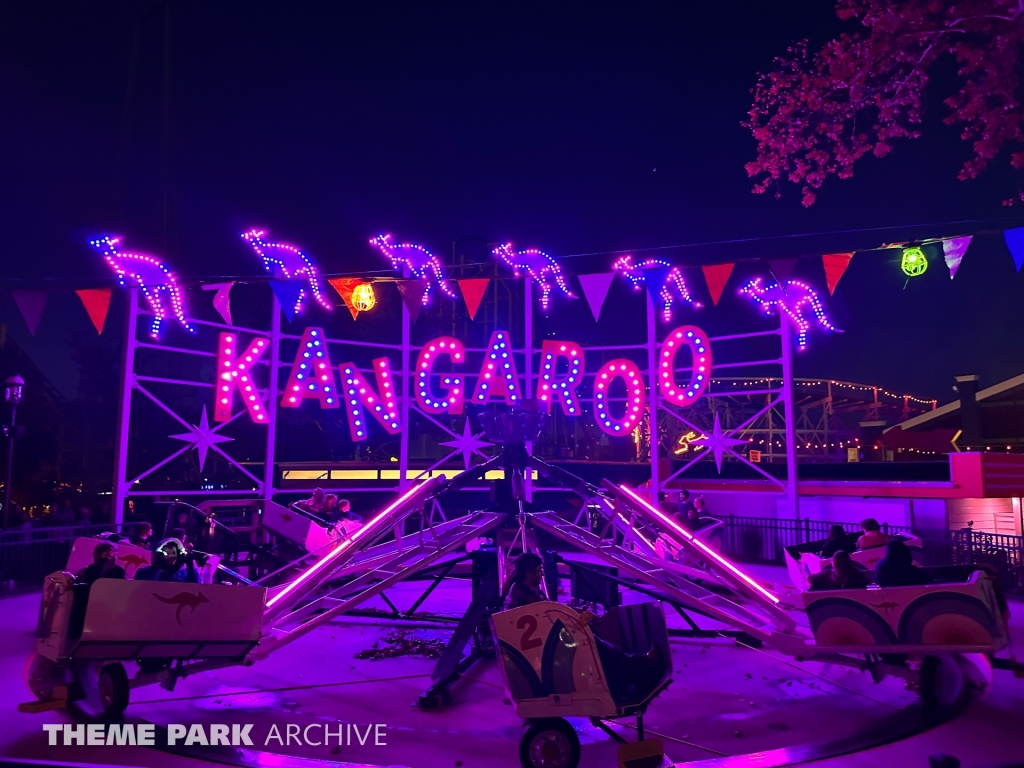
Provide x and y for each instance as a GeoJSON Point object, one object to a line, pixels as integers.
{"type": "Point", "coordinates": [142, 537]}
{"type": "Point", "coordinates": [315, 503]}
{"type": "Point", "coordinates": [897, 568]}
{"type": "Point", "coordinates": [846, 573]}
{"type": "Point", "coordinates": [330, 512]}
{"type": "Point", "coordinates": [629, 675]}
{"type": "Point", "coordinates": [104, 565]}
{"type": "Point", "coordinates": [701, 506]}
{"type": "Point", "coordinates": [170, 563]}
{"type": "Point", "coordinates": [836, 541]}
{"type": "Point", "coordinates": [873, 536]}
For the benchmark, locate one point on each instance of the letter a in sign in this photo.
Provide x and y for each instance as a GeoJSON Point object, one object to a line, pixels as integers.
{"type": "Point", "coordinates": [312, 375]}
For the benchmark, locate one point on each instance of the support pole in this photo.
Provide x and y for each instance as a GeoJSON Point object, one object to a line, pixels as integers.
{"type": "Point", "coordinates": [528, 370]}
{"type": "Point", "coordinates": [786, 331]}
{"type": "Point", "coordinates": [272, 393]}
{"type": "Point", "coordinates": [403, 404]}
{"type": "Point", "coordinates": [124, 412]}
{"type": "Point", "coordinates": [652, 399]}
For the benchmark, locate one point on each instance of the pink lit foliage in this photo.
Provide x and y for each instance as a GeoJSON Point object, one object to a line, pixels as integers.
{"type": "Point", "coordinates": [538, 266]}
{"type": "Point", "coordinates": [288, 263]}
{"type": "Point", "coordinates": [153, 278]}
{"type": "Point", "coordinates": [797, 299]}
{"type": "Point", "coordinates": [815, 115]}
{"type": "Point", "coordinates": [636, 274]}
{"type": "Point", "coordinates": [421, 263]}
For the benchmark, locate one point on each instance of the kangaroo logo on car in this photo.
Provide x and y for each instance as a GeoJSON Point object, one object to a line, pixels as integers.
{"type": "Point", "coordinates": [183, 600]}
{"type": "Point", "coordinates": [132, 559]}
{"type": "Point", "coordinates": [887, 606]}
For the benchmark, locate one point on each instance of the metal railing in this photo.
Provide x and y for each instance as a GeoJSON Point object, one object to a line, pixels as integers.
{"type": "Point", "coordinates": [27, 555]}
{"type": "Point", "coordinates": [763, 540]}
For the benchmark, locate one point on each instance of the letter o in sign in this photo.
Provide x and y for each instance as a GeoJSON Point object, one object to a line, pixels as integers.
{"type": "Point", "coordinates": [700, 376]}
{"type": "Point", "coordinates": [636, 397]}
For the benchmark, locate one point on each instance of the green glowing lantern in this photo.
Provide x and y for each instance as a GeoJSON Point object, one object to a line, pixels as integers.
{"type": "Point", "coordinates": [914, 263]}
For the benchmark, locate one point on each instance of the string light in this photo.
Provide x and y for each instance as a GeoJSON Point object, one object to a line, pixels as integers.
{"type": "Point", "coordinates": [288, 262]}
{"type": "Point", "coordinates": [635, 273]}
{"type": "Point", "coordinates": [498, 376]}
{"type": "Point", "coordinates": [454, 397]}
{"type": "Point", "coordinates": [152, 276]}
{"type": "Point", "coordinates": [539, 266]}
{"type": "Point", "coordinates": [914, 263]}
{"type": "Point", "coordinates": [421, 263]}
{"type": "Point", "coordinates": [312, 375]}
{"type": "Point", "coordinates": [693, 337]}
{"type": "Point", "coordinates": [561, 389]}
{"type": "Point", "coordinates": [382, 403]}
{"type": "Point", "coordinates": [235, 373]}
{"type": "Point", "coordinates": [636, 397]}
{"type": "Point", "coordinates": [794, 300]}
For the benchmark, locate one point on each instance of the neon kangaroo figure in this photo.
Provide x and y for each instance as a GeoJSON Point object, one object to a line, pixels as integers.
{"type": "Point", "coordinates": [635, 273]}
{"type": "Point", "coordinates": [152, 276]}
{"type": "Point", "coordinates": [797, 299]}
{"type": "Point", "coordinates": [538, 266]}
{"type": "Point", "coordinates": [287, 262]}
{"type": "Point", "coordinates": [421, 263]}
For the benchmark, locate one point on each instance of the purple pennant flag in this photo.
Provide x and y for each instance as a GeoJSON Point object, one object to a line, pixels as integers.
{"type": "Point", "coordinates": [31, 304]}
{"type": "Point", "coordinates": [954, 250]}
{"type": "Point", "coordinates": [1015, 242]}
{"type": "Point", "coordinates": [221, 299]}
{"type": "Point", "coordinates": [595, 288]}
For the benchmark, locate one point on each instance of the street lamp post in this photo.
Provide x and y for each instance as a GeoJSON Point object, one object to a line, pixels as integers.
{"type": "Point", "coordinates": [14, 388]}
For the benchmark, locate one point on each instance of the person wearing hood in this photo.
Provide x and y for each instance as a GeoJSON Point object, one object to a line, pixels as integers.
{"type": "Point", "coordinates": [170, 563]}
{"type": "Point", "coordinates": [897, 568]}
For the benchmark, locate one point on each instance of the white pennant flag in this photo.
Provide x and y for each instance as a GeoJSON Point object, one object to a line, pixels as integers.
{"type": "Point", "coordinates": [222, 299]}
{"type": "Point", "coordinates": [953, 251]}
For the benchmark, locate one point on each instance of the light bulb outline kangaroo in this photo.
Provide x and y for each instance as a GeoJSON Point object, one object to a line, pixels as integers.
{"type": "Point", "coordinates": [794, 300]}
{"type": "Point", "coordinates": [288, 262]}
{"type": "Point", "coordinates": [153, 278]}
{"type": "Point", "coordinates": [538, 266]}
{"type": "Point", "coordinates": [635, 273]}
{"type": "Point", "coordinates": [423, 264]}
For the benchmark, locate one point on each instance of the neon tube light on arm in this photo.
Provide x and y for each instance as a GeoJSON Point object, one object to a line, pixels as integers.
{"type": "Point", "coordinates": [632, 496]}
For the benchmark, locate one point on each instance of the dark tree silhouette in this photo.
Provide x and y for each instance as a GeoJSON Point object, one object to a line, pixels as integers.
{"type": "Point", "coordinates": [816, 115]}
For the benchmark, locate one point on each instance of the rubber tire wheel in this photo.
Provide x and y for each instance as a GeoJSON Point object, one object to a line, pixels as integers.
{"type": "Point", "coordinates": [550, 743]}
{"type": "Point", "coordinates": [942, 683]}
{"type": "Point", "coordinates": [41, 675]}
{"type": "Point", "coordinates": [113, 688]}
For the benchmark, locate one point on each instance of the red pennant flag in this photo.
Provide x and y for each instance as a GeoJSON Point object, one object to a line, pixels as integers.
{"type": "Point", "coordinates": [345, 286]}
{"type": "Point", "coordinates": [412, 294]}
{"type": "Point", "coordinates": [96, 302]}
{"type": "Point", "coordinates": [716, 276]}
{"type": "Point", "coordinates": [782, 269]}
{"type": "Point", "coordinates": [31, 304]}
{"type": "Point", "coordinates": [473, 290]}
{"type": "Point", "coordinates": [835, 265]}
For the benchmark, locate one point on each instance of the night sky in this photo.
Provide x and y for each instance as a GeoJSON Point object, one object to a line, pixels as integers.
{"type": "Point", "coordinates": [576, 128]}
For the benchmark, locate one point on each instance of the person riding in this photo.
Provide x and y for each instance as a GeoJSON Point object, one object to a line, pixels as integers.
{"type": "Point", "coordinates": [316, 502]}
{"type": "Point", "coordinates": [836, 541]}
{"type": "Point", "coordinates": [897, 568]}
{"type": "Point", "coordinates": [104, 565]}
{"type": "Point", "coordinates": [170, 563]}
{"type": "Point", "coordinates": [873, 536]}
{"type": "Point", "coordinates": [628, 674]}
{"type": "Point", "coordinates": [142, 537]}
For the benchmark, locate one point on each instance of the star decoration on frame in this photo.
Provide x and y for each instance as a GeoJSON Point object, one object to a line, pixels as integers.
{"type": "Point", "coordinates": [720, 443]}
{"type": "Point", "coordinates": [468, 444]}
{"type": "Point", "coordinates": [202, 437]}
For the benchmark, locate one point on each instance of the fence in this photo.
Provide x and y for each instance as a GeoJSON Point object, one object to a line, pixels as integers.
{"type": "Point", "coordinates": [763, 540]}
{"type": "Point", "coordinates": [27, 555]}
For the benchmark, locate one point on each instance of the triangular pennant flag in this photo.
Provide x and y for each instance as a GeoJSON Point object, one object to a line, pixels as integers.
{"type": "Point", "coordinates": [31, 304]}
{"type": "Point", "coordinates": [716, 276]}
{"type": "Point", "coordinates": [655, 280]}
{"type": "Point", "coordinates": [473, 290]}
{"type": "Point", "coordinates": [1015, 242]}
{"type": "Point", "coordinates": [835, 265]}
{"type": "Point", "coordinates": [345, 286]}
{"type": "Point", "coordinates": [412, 294]}
{"type": "Point", "coordinates": [221, 299]}
{"type": "Point", "coordinates": [782, 269]}
{"type": "Point", "coordinates": [96, 302]}
{"type": "Point", "coordinates": [953, 251]}
{"type": "Point", "coordinates": [595, 287]}
{"type": "Point", "coordinates": [287, 292]}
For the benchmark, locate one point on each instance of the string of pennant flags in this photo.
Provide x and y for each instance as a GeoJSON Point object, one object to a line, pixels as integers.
{"type": "Point", "coordinates": [294, 278]}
